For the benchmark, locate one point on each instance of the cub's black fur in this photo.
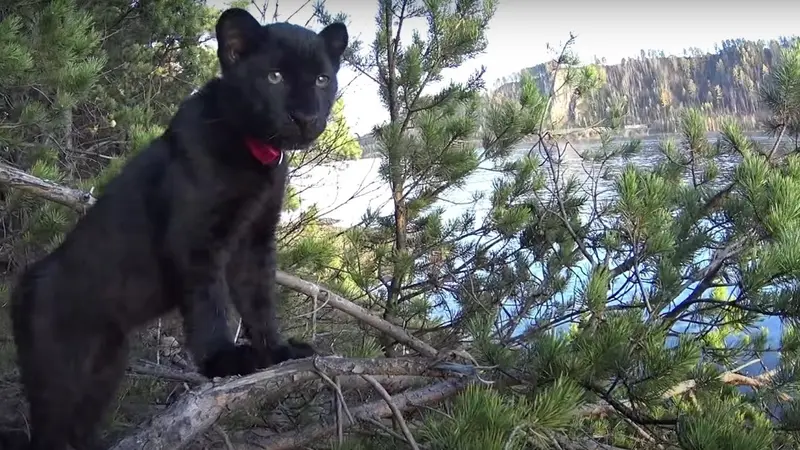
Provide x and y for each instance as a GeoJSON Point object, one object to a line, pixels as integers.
{"type": "Point", "coordinates": [188, 223]}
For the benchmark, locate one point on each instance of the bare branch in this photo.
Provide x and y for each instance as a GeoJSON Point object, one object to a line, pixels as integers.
{"type": "Point", "coordinates": [325, 296]}
{"type": "Point", "coordinates": [73, 198]}
{"type": "Point", "coordinates": [198, 410]}
{"type": "Point", "coordinates": [250, 440]}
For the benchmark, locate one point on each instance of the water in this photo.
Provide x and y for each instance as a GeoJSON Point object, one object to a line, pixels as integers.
{"type": "Point", "coordinates": [343, 191]}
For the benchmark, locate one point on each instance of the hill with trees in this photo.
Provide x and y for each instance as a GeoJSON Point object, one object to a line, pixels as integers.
{"type": "Point", "coordinates": [654, 88]}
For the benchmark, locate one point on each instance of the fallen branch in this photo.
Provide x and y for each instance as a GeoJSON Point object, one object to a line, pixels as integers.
{"type": "Point", "coordinates": [198, 410]}
{"type": "Point", "coordinates": [392, 383]}
{"type": "Point", "coordinates": [256, 439]}
{"type": "Point", "coordinates": [19, 179]}
{"type": "Point", "coordinates": [166, 373]}
{"type": "Point", "coordinates": [252, 440]}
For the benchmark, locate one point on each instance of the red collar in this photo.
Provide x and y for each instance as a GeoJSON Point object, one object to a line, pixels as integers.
{"type": "Point", "coordinates": [263, 152]}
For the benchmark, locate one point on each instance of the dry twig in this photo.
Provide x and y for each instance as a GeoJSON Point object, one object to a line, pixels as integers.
{"type": "Point", "coordinates": [395, 411]}
{"type": "Point", "coordinates": [340, 404]}
{"type": "Point", "coordinates": [225, 438]}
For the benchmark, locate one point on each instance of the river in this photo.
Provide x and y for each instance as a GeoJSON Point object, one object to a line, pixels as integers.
{"type": "Point", "coordinates": [343, 191]}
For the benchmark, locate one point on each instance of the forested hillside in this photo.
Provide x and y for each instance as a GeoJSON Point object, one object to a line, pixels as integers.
{"type": "Point", "coordinates": [654, 87]}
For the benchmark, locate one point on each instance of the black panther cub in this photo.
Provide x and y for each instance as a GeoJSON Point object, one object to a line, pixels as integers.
{"type": "Point", "coordinates": [188, 222]}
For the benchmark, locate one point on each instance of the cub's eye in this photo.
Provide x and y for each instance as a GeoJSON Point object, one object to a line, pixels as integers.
{"type": "Point", "coordinates": [274, 77]}
{"type": "Point", "coordinates": [323, 80]}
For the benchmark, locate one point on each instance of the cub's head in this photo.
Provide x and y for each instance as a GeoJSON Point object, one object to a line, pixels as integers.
{"type": "Point", "coordinates": [280, 78]}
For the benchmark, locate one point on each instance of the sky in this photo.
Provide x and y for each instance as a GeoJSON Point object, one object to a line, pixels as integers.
{"type": "Point", "coordinates": [520, 31]}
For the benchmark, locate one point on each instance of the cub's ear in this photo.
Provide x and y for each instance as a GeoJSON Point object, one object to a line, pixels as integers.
{"type": "Point", "coordinates": [237, 33]}
{"type": "Point", "coordinates": [335, 37]}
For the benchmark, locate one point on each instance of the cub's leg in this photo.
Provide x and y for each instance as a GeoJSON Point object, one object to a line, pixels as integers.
{"type": "Point", "coordinates": [48, 369]}
{"type": "Point", "coordinates": [251, 274]}
{"type": "Point", "coordinates": [99, 390]}
{"type": "Point", "coordinates": [49, 416]}
{"type": "Point", "coordinates": [205, 324]}
{"type": "Point", "coordinates": [69, 382]}
{"type": "Point", "coordinates": [68, 396]}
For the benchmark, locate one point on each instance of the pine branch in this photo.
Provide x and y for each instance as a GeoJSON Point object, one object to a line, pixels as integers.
{"type": "Point", "coordinates": [713, 202]}
{"type": "Point", "coordinates": [623, 267]}
{"type": "Point", "coordinates": [18, 179]}
{"type": "Point", "coordinates": [625, 409]}
{"type": "Point", "coordinates": [706, 277]}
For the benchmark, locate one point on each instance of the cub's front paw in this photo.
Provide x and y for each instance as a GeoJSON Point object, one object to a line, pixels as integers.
{"type": "Point", "coordinates": [233, 360]}
{"type": "Point", "coordinates": [292, 349]}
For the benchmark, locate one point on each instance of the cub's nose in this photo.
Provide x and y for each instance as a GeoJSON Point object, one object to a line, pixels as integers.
{"type": "Point", "coordinates": [303, 121]}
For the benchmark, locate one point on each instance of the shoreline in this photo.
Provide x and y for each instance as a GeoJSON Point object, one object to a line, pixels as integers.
{"type": "Point", "coordinates": [588, 135]}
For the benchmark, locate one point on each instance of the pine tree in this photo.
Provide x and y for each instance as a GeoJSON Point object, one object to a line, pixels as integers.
{"type": "Point", "coordinates": [781, 93]}
{"type": "Point", "coordinates": [426, 144]}
{"type": "Point", "coordinates": [51, 61]}
{"type": "Point", "coordinates": [414, 264]}
{"type": "Point", "coordinates": [615, 317]}
{"type": "Point", "coordinates": [682, 265]}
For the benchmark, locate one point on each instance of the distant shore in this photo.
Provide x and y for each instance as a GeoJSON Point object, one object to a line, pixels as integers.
{"type": "Point", "coordinates": [581, 135]}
